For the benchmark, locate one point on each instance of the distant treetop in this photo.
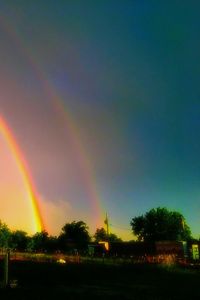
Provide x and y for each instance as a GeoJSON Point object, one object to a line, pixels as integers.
{"type": "Point", "coordinates": [161, 224]}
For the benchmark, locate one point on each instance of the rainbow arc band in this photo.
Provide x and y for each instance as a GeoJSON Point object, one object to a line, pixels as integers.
{"type": "Point", "coordinates": [25, 173]}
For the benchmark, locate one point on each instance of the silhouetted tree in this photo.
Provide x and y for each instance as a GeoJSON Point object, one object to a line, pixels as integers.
{"type": "Point", "coordinates": [114, 238]}
{"type": "Point", "coordinates": [101, 235]}
{"type": "Point", "coordinates": [52, 244]}
{"type": "Point", "coordinates": [74, 235]}
{"type": "Point", "coordinates": [161, 224]}
{"type": "Point", "coordinates": [5, 236]}
{"type": "Point", "coordinates": [19, 240]}
{"type": "Point", "coordinates": [38, 242]}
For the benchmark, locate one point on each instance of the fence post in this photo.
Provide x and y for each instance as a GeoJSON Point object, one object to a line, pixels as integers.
{"type": "Point", "coordinates": [6, 270]}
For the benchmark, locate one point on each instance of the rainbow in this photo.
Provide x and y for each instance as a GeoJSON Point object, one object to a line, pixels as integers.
{"type": "Point", "coordinates": [68, 121]}
{"type": "Point", "coordinates": [25, 173]}
{"type": "Point", "coordinates": [83, 160]}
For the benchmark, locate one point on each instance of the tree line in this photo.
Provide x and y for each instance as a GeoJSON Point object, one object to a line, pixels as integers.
{"type": "Point", "coordinates": [73, 236]}
{"type": "Point", "coordinates": [156, 225]}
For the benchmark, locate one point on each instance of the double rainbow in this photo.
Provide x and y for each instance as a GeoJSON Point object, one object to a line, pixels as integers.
{"type": "Point", "coordinates": [62, 110]}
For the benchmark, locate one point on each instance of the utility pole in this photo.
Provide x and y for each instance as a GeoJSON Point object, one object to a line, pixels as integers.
{"type": "Point", "coordinates": [106, 222]}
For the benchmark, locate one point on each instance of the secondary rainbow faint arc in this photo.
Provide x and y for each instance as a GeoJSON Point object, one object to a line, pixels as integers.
{"type": "Point", "coordinates": [25, 173]}
{"type": "Point", "coordinates": [83, 160]}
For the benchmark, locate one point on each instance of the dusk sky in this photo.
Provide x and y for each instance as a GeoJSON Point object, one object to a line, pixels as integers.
{"type": "Point", "coordinates": [103, 99]}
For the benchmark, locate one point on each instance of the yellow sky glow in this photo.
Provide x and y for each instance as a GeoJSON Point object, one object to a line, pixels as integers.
{"type": "Point", "coordinates": [18, 207]}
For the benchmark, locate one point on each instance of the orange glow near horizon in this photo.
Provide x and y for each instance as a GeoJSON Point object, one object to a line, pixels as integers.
{"type": "Point", "coordinates": [27, 182]}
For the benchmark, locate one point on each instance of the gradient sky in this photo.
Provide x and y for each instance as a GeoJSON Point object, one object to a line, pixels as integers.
{"type": "Point", "coordinates": [127, 74]}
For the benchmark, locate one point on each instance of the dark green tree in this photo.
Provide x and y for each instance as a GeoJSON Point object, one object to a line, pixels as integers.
{"type": "Point", "coordinates": [19, 240]}
{"type": "Point", "coordinates": [114, 238]}
{"type": "Point", "coordinates": [38, 242]}
{"type": "Point", "coordinates": [52, 244]}
{"type": "Point", "coordinates": [5, 236]}
{"type": "Point", "coordinates": [101, 235]}
{"type": "Point", "coordinates": [74, 235]}
{"type": "Point", "coordinates": [161, 224]}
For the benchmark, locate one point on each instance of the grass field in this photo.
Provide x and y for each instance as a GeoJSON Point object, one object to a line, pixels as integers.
{"type": "Point", "coordinates": [93, 280]}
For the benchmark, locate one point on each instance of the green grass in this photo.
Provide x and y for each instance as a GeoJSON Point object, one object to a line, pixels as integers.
{"type": "Point", "coordinates": [101, 281]}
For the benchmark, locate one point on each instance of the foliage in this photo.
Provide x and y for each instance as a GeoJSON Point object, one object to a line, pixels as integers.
{"type": "Point", "coordinates": [52, 244]}
{"type": "Point", "coordinates": [19, 240]}
{"type": "Point", "coordinates": [101, 235]}
{"type": "Point", "coordinates": [114, 238]}
{"type": "Point", "coordinates": [38, 242]}
{"type": "Point", "coordinates": [5, 236]}
{"type": "Point", "coordinates": [74, 235]}
{"type": "Point", "coordinates": [161, 224]}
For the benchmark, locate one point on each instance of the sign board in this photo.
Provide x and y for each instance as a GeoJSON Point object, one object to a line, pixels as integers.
{"type": "Point", "coordinates": [195, 251]}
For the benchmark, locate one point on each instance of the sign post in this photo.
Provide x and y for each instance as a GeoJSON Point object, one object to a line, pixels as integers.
{"type": "Point", "coordinates": [6, 270]}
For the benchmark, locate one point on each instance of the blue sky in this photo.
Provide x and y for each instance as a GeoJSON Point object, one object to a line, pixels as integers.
{"type": "Point", "coordinates": [128, 73]}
